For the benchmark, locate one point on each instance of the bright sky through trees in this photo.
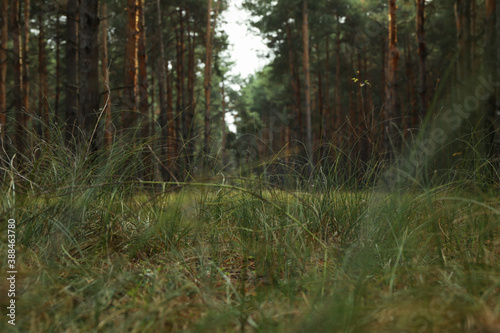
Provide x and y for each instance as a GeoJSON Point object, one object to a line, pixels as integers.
{"type": "Point", "coordinates": [245, 46]}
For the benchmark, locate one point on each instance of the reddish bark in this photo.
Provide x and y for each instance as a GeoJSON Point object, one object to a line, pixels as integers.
{"type": "Point", "coordinates": [295, 80]}
{"type": "Point", "coordinates": [108, 131]}
{"type": "Point", "coordinates": [307, 82]}
{"type": "Point", "coordinates": [129, 115]}
{"type": "Point", "coordinates": [43, 104]}
{"type": "Point", "coordinates": [422, 58]}
{"type": "Point", "coordinates": [3, 64]}
{"type": "Point", "coordinates": [392, 103]}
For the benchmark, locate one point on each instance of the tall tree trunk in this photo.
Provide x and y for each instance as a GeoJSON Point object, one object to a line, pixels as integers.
{"type": "Point", "coordinates": [338, 102]}
{"type": "Point", "coordinates": [422, 58]}
{"type": "Point", "coordinates": [295, 80]}
{"type": "Point", "coordinates": [328, 115]}
{"type": "Point", "coordinates": [129, 115]}
{"type": "Point", "coordinates": [321, 108]}
{"type": "Point", "coordinates": [489, 63]}
{"type": "Point", "coordinates": [191, 98]}
{"type": "Point", "coordinates": [392, 104]}
{"type": "Point", "coordinates": [473, 37]}
{"type": "Point", "coordinates": [108, 131]}
{"type": "Point", "coordinates": [58, 67]}
{"type": "Point", "coordinates": [208, 76]}
{"type": "Point", "coordinates": [462, 21]}
{"type": "Point", "coordinates": [143, 94]}
{"type": "Point", "coordinates": [223, 120]}
{"type": "Point", "coordinates": [71, 64]}
{"type": "Point", "coordinates": [307, 86]}
{"type": "Point", "coordinates": [166, 117]}
{"type": "Point", "coordinates": [410, 114]}
{"type": "Point", "coordinates": [496, 116]}
{"type": "Point", "coordinates": [89, 69]}
{"type": "Point", "coordinates": [4, 6]}
{"type": "Point", "coordinates": [143, 75]}
{"type": "Point", "coordinates": [181, 74]}
{"type": "Point", "coordinates": [20, 127]}
{"type": "Point", "coordinates": [26, 63]}
{"type": "Point", "coordinates": [43, 105]}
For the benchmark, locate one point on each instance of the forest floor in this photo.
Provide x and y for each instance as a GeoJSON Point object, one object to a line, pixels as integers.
{"type": "Point", "coordinates": [251, 258]}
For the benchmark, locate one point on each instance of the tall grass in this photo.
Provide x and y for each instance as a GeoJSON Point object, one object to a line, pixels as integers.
{"type": "Point", "coordinates": [101, 250]}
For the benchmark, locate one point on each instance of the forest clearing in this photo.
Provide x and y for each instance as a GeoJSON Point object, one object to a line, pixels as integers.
{"type": "Point", "coordinates": [350, 184]}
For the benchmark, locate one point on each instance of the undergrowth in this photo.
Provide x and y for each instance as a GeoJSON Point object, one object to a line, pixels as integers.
{"type": "Point", "coordinates": [100, 250]}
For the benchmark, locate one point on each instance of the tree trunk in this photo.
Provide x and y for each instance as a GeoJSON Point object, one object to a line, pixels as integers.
{"type": "Point", "coordinates": [190, 110]}
{"type": "Point", "coordinates": [143, 75]}
{"type": "Point", "coordinates": [295, 81]}
{"type": "Point", "coordinates": [20, 127]}
{"type": "Point", "coordinates": [307, 86]}
{"type": "Point", "coordinates": [391, 143]}
{"type": "Point", "coordinates": [129, 115]}
{"type": "Point", "coordinates": [338, 102]}
{"type": "Point", "coordinates": [171, 131]}
{"type": "Point", "coordinates": [43, 105]}
{"type": "Point", "coordinates": [410, 114]}
{"type": "Point", "coordinates": [328, 115]}
{"type": "Point", "coordinates": [3, 65]}
{"type": "Point", "coordinates": [496, 115]}
{"type": "Point", "coordinates": [462, 21]}
{"type": "Point", "coordinates": [71, 62]}
{"type": "Point", "coordinates": [166, 117]}
{"type": "Point", "coordinates": [58, 68]}
{"type": "Point", "coordinates": [143, 95]}
{"type": "Point", "coordinates": [89, 69]}
{"type": "Point", "coordinates": [473, 37]}
{"type": "Point", "coordinates": [208, 76]}
{"type": "Point", "coordinates": [223, 121]}
{"type": "Point", "coordinates": [26, 64]}
{"type": "Point", "coordinates": [422, 58]}
{"type": "Point", "coordinates": [321, 108]}
{"type": "Point", "coordinates": [181, 112]}
{"type": "Point", "coordinates": [108, 131]}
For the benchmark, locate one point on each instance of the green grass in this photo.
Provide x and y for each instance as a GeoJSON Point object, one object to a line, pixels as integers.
{"type": "Point", "coordinates": [99, 250]}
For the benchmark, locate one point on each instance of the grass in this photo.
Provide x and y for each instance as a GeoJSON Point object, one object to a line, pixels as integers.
{"type": "Point", "coordinates": [98, 250]}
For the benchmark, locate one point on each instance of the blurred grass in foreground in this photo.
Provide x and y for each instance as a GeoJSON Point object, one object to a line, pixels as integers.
{"type": "Point", "coordinates": [99, 250]}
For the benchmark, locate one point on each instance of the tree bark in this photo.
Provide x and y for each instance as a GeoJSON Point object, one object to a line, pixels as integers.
{"type": "Point", "coordinates": [327, 118]}
{"type": "Point", "coordinates": [190, 110]}
{"type": "Point", "coordinates": [337, 121]}
{"type": "Point", "coordinates": [321, 104]}
{"type": "Point", "coordinates": [208, 76]}
{"type": "Point", "coordinates": [307, 86]}
{"type": "Point", "coordinates": [295, 80]}
{"type": "Point", "coordinates": [58, 68]}
{"type": "Point", "coordinates": [144, 96]}
{"type": "Point", "coordinates": [108, 131]}
{"type": "Point", "coordinates": [89, 69]}
{"type": "Point", "coordinates": [143, 75]}
{"type": "Point", "coordinates": [26, 64]}
{"type": "Point", "coordinates": [71, 62]}
{"type": "Point", "coordinates": [129, 115]}
{"type": "Point", "coordinates": [422, 58]}
{"type": "Point", "coordinates": [3, 64]}
{"type": "Point", "coordinates": [181, 111]}
{"type": "Point", "coordinates": [43, 105]}
{"type": "Point", "coordinates": [166, 113]}
{"type": "Point", "coordinates": [496, 116]}
{"type": "Point", "coordinates": [391, 142]}
{"type": "Point", "coordinates": [462, 21]}
{"type": "Point", "coordinates": [17, 58]}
